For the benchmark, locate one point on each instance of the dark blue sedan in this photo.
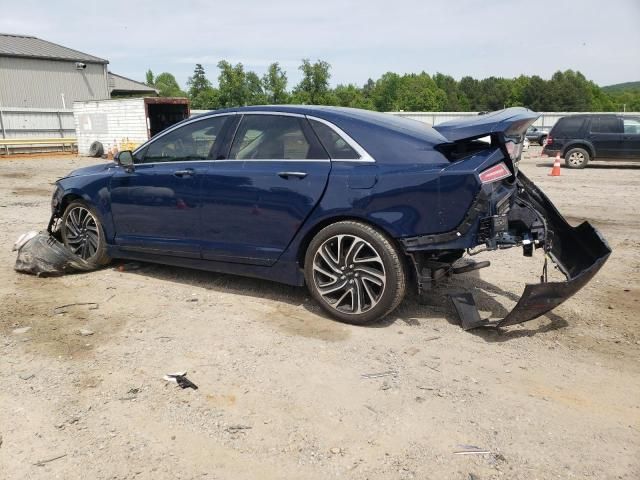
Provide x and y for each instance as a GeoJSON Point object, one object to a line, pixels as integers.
{"type": "Point", "coordinates": [357, 205]}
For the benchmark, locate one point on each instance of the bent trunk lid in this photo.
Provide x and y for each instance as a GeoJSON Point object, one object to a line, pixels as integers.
{"type": "Point", "coordinates": [511, 122]}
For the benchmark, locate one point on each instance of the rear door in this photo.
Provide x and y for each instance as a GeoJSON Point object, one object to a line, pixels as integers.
{"type": "Point", "coordinates": [606, 136]}
{"type": "Point", "coordinates": [631, 137]}
{"type": "Point", "coordinates": [256, 199]}
{"type": "Point", "coordinates": [155, 205]}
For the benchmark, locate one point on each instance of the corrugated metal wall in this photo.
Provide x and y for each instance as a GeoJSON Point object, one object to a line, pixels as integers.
{"type": "Point", "coordinates": [39, 83]}
{"type": "Point", "coordinates": [36, 123]}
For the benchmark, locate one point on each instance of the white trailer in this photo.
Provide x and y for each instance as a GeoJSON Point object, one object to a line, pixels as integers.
{"type": "Point", "coordinates": [124, 123]}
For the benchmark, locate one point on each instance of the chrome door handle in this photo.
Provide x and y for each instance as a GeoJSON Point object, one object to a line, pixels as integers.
{"type": "Point", "coordinates": [187, 172]}
{"type": "Point", "coordinates": [288, 175]}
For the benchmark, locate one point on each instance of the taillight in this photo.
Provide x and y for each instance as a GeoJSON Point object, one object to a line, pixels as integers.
{"type": "Point", "coordinates": [548, 141]}
{"type": "Point", "coordinates": [495, 173]}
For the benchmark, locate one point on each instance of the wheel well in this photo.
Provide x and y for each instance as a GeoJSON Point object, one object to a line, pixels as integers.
{"type": "Point", "coordinates": [584, 146]}
{"type": "Point", "coordinates": [66, 200]}
{"type": "Point", "coordinates": [304, 244]}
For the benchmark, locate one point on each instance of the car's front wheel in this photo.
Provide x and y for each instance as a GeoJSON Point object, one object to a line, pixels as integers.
{"type": "Point", "coordinates": [83, 235]}
{"type": "Point", "coordinates": [576, 158]}
{"type": "Point", "coordinates": [355, 272]}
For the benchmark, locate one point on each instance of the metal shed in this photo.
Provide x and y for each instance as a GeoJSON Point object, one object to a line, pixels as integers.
{"type": "Point", "coordinates": [35, 73]}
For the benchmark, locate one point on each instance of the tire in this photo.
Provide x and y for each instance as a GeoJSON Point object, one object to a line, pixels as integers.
{"type": "Point", "coordinates": [82, 233]}
{"type": "Point", "coordinates": [576, 158]}
{"type": "Point", "coordinates": [542, 140]}
{"type": "Point", "coordinates": [355, 272]}
{"type": "Point", "coordinates": [96, 150]}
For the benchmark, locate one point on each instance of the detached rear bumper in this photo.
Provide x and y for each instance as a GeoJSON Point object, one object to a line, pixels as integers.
{"type": "Point", "coordinates": [579, 252]}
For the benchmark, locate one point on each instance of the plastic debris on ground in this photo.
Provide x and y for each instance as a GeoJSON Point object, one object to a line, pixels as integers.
{"type": "Point", "coordinates": [39, 253]}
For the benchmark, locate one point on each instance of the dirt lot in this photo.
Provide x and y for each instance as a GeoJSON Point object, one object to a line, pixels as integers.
{"type": "Point", "coordinates": [282, 392]}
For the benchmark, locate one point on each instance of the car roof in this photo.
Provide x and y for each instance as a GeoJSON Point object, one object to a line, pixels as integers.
{"type": "Point", "coordinates": [349, 119]}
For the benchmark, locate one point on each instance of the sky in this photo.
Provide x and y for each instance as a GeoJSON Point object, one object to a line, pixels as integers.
{"type": "Point", "coordinates": [360, 39]}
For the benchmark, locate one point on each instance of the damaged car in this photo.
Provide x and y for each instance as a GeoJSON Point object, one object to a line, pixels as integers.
{"type": "Point", "coordinates": [358, 206]}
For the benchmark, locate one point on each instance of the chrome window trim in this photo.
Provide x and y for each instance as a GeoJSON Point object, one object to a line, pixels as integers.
{"type": "Point", "coordinates": [364, 155]}
{"type": "Point", "coordinates": [302, 160]}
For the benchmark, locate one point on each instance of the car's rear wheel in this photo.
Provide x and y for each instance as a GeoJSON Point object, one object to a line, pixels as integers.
{"type": "Point", "coordinates": [576, 158]}
{"type": "Point", "coordinates": [83, 235]}
{"type": "Point", "coordinates": [355, 272]}
{"type": "Point", "coordinates": [542, 140]}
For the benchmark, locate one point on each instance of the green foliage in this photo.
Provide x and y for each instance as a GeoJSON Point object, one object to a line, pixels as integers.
{"type": "Point", "coordinates": [274, 84]}
{"type": "Point", "coordinates": [622, 87]}
{"type": "Point", "coordinates": [567, 91]}
{"type": "Point", "coordinates": [202, 95]}
{"type": "Point", "coordinates": [313, 89]}
{"type": "Point", "coordinates": [149, 78]}
{"type": "Point", "coordinates": [351, 96]}
{"type": "Point", "coordinates": [232, 84]}
{"type": "Point", "coordinates": [167, 85]}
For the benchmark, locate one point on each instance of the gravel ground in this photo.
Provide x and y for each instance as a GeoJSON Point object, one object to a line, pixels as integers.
{"type": "Point", "coordinates": [284, 392]}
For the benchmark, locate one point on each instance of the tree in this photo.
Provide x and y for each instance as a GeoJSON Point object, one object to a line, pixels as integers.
{"type": "Point", "coordinates": [202, 95]}
{"type": "Point", "coordinates": [256, 95]}
{"type": "Point", "coordinates": [385, 92]}
{"type": "Point", "coordinates": [168, 86]}
{"type": "Point", "coordinates": [198, 83]}
{"type": "Point", "coordinates": [351, 96]}
{"type": "Point", "coordinates": [418, 92]}
{"type": "Point", "coordinates": [232, 84]}
{"type": "Point", "coordinates": [314, 87]}
{"type": "Point", "coordinates": [274, 83]}
{"type": "Point", "coordinates": [149, 78]}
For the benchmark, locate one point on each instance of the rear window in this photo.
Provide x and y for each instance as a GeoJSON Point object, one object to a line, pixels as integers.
{"type": "Point", "coordinates": [336, 146]}
{"type": "Point", "coordinates": [632, 126]}
{"type": "Point", "coordinates": [568, 126]}
{"type": "Point", "coordinates": [607, 124]}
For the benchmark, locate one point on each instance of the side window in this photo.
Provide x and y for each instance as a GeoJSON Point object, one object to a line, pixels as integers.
{"type": "Point", "coordinates": [273, 137]}
{"type": "Point", "coordinates": [334, 144]}
{"type": "Point", "coordinates": [631, 126]}
{"type": "Point", "coordinates": [193, 141]}
{"type": "Point", "coordinates": [608, 124]}
{"type": "Point", "coordinates": [568, 127]}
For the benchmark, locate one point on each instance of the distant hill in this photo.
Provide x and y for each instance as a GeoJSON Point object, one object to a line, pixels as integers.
{"type": "Point", "coordinates": [621, 87]}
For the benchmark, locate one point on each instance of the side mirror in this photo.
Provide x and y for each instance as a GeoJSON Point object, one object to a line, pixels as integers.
{"type": "Point", "coordinates": [124, 159]}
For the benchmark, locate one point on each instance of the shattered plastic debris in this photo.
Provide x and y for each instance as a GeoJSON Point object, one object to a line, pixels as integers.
{"type": "Point", "coordinates": [181, 379]}
{"type": "Point", "coordinates": [42, 255]}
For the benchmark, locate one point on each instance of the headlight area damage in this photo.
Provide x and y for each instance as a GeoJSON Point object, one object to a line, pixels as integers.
{"type": "Point", "coordinates": [523, 217]}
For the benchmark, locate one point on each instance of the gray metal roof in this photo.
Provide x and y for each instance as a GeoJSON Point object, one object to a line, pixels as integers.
{"type": "Point", "coordinates": [31, 47]}
{"type": "Point", "coordinates": [119, 83]}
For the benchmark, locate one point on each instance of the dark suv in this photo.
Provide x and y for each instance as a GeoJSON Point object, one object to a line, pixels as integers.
{"type": "Point", "coordinates": [581, 138]}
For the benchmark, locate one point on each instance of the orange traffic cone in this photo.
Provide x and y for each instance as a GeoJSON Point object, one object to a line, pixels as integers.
{"type": "Point", "coordinates": [555, 171]}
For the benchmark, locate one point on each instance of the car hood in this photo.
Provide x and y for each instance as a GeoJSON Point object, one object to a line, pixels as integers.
{"type": "Point", "coordinates": [91, 170]}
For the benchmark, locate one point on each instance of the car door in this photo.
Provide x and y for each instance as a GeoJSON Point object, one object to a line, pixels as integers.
{"type": "Point", "coordinates": [606, 136]}
{"type": "Point", "coordinates": [255, 200]}
{"type": "Point", "coordinates": [155, 204]}
{"type": "Point", "coordinates": [631, 137]}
